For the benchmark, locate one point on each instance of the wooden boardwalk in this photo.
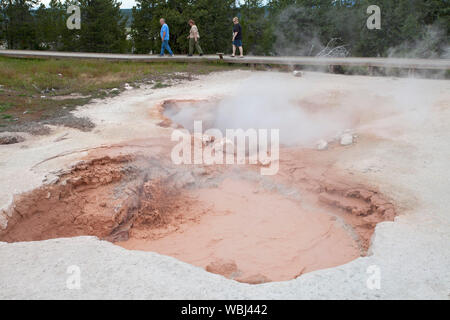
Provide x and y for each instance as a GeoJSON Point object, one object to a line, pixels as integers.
{"type": "Point", "coordinates": [412, 64]}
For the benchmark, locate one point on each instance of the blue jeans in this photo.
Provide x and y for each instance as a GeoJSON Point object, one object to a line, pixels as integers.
{"type": "Point", "coordinates": [165, 46]}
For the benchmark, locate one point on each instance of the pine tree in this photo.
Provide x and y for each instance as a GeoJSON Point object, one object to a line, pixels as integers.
{"type": "Point", "coordinates": [50, 23]}
{"type": "Point", "coordinates": [214, 19]}
{"type": "Point", "coordinates": [18, 24]}
{"type": "Point", "coordinates": [143, 28]}
{"type": "Point", "coordinates": [254, 25]}
{"type": "Point", "coordinates": [102, 26]}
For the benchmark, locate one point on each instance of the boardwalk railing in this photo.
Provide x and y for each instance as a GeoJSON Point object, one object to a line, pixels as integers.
{"type": "Point", "coordinates": [411, 64]}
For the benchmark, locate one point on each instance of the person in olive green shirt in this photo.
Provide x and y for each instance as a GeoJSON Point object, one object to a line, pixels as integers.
{"type": "Point", "coordinates": [194, 38]}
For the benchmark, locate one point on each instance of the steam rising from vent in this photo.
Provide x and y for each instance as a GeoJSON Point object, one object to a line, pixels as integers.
{"type": "Point", "coordinates": [305, 112]}
{"type": "Point", "coordinates": [261, 103]}
{"type": "Point", "coordinates": [433, 44]}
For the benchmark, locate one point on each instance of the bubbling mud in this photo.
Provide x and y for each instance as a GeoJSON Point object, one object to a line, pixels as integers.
{"type": "Point", "coordinates": [228, 221]}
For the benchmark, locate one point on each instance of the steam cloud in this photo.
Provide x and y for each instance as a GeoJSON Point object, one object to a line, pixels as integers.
{"type": "Point", "coordinates": [261, 103]}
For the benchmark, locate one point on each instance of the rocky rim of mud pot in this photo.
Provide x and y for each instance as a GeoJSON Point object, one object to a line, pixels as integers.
{"type": "Point", "coordinates": [165, 109]}
{"type": "Point", "coordinates": [360, 207]}
{"type": "Point", "coordinates": [146, 199]}
{"type": "Point", "coordinates": [10, 138]}
{"type": "Point", "coordinates": [103, 197]}
{"type": "Point", "coordinates": [149, 204]}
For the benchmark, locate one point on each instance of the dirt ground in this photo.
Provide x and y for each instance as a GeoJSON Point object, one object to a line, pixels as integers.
{"type": "Point", "coordinates": [221, 219]}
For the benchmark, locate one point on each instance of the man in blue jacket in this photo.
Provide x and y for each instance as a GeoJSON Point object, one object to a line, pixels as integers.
{"type": "Point", "coordinates": [165, 37]}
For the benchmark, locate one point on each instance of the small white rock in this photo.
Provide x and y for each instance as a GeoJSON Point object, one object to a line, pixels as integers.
{"type": "Point", "coordinates": [322, 145]}
{"type": "Point", "coordinates": [346, 139]}
{"type": "Point", "coordinates": [297, 73]}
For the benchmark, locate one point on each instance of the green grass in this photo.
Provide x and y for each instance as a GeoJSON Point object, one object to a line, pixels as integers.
{"type": "Point", "coordinates": [30, 76]}
{"type": "Point", "coordinates": [24, 81]}
{"type": "Point", "coordinates": [160, 85]}
{"type": "Point", "coordinates": [5, 106]}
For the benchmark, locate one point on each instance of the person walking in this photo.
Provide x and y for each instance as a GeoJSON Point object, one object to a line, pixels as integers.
{"type": "Point", "coordinates": [237, 38]}
{"type": "Point", "coordinates": [194, 37]}
{"type": "Point", "coordinates": [165, 38]}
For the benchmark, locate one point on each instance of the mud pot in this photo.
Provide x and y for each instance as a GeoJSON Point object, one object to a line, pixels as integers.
{"type": "Point", "coordinates": [229, 220]}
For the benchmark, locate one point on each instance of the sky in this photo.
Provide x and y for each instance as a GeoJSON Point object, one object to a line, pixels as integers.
{"type": "Point", "coordinates": [127, 4]}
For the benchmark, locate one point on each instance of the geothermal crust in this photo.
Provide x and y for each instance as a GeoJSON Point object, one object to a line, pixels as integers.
{"type": "Point", "coordinates": [107, 183]}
